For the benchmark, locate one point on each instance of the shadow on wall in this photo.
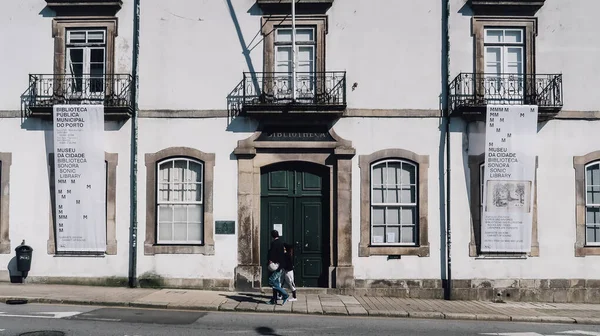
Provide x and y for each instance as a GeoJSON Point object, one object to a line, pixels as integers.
{"type": "Point", "coordinates": [235, 97]}
{"type": "Point", "coordinates": [466, 10]}
{"type": "Point", "coordinates": [47, 13]}
{"type": "Point", "coordinates": [15, 275]}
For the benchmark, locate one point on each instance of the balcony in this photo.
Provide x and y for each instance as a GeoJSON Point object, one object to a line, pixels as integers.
{"type": "Point", "coordinates": [112, 90]}
{"type": "Point", "coordinates": [469, 93]}
{"type": "Point", "coordinates": [269, 94]}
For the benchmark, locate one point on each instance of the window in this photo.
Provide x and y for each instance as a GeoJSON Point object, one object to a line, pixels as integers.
{"type": "Point", "coordinates": [393, 213]}
{"type": "Point", "coordinates": [305, 62]}
{"type": "Point", "coordinates": [5, 163]}
{"type": "Point", "coordinates": [587, 204]}
{"type": "Point", "coordinates": [504, 52]}
{"type": "Point", "coordinates": [180, 203]}
{"type": "Point", "coordinates": [84, 55]}
{"type": "Point", "coordinates": [504, 58]}
{"type": "Point", "coordinates": [477, 176]}
{"type": "Point", "coordinates": [592, 204]}
{"type": "Point", "coordinates": [85, 65]}
{"type": "Point", "coordinates": [394, 203]}
{"type": "Point", "coordinates": [179, 206]}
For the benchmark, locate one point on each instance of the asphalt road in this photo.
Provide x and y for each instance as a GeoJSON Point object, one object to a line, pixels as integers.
{"type": "Point", "coordinates": [28, 319]}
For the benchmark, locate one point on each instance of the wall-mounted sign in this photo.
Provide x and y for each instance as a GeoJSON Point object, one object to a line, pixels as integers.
{"type": "Point", "coordinates": [225, 227]}
{"type": "Point", "coordinates": [295, 134]}
{"type": "Point", "coordinates": [509, 178]}
{"type": "Point", "coordinates": [80, 178]}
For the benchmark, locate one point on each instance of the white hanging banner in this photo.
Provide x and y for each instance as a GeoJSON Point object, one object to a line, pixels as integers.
{"type": "Point", "coordinates": [509, 178]}
{"type": "Point", "coordinates": [80, 178]}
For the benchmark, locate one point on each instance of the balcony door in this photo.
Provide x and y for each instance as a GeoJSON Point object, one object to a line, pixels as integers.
{"type": "Point", "coordinates": [504, 80]}
{"type": "Point", "coordinates": [305, 60]}
{"type": "Point", "coordinates": [85, 65]}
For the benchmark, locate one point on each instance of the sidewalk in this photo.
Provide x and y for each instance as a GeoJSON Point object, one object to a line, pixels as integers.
{"type": "Point", "coordinates": [306, 304]}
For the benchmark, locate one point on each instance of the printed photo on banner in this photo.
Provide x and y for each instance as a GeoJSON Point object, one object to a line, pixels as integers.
{"type": "Point", "coordinates": [508, 196]}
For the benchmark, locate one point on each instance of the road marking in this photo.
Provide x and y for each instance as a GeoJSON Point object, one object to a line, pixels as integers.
{"type": "Point", "coordinates": [54, 315]}
{"type": "Point", "coordinates": [514, 334]}
{"type": "Point", "coordinates": [571, 332]}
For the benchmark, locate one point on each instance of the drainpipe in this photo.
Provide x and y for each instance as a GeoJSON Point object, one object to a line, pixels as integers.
{"type": "Point", "coordinates": [134, 147]}
{"type": "Point", "coordinates": [445, 97]}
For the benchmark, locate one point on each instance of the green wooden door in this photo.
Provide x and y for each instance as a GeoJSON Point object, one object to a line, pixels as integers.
{"type": "Point", "coordinates": [294, 201]}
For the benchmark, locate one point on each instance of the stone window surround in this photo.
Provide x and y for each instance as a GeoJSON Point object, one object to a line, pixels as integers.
{"type": "Point", "coordinates": [152, 161]}
{"type": "Point", "coordinates": [60, 26]}
{"type": "Point", "coordinates": [529, 24]}
{"type": "Point", "coordinates": [5, 163]}
{"type": "Point", "coordinates": [579, 163]}
{"type": "Point", "coordinates": [252, 156]}
{"type": "Point", "coordinates": [365, 163]}
{"type": "Point", "coordinates": [112, 160]}
{"type": "Point", "coordinates": [475, 162]}
{"type": "Point", "coordinates": [271, 22]}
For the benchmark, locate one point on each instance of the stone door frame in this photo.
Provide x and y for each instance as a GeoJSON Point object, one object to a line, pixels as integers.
{"type": "Point", "coordinates": [252, 155]}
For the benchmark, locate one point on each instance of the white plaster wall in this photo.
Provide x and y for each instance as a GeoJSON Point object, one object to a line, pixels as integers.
{"type": "Point", "coordinates": [558, 142]}
{"type": "Point", "coordinates": [28, 46]}
{"type": "Point", "coordinates": [421, 136]}
{"type": "Point", "coordinates": [390, 49]}
{"type": "Point", "coordinates": [30, 199]}
{"type": "Point", "coordinates": [192, 53]}
{"type": "Point", "coordinates": [567, 43]}
{"type": "Point", "coordinates": [209, 136]}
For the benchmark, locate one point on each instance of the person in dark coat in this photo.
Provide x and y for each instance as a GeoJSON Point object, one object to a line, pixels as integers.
{"type": "Point", "coordinates": [276, 261]}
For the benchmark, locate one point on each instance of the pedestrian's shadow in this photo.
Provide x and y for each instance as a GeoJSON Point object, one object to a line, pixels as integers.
{"type": "Point", "coordinates": [244, 298]}
{"type": "Point", "coordinates": [266, 331]}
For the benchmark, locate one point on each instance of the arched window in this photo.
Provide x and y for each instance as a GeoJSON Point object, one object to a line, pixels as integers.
{"type": "Point", "coordinates": [180, 201]}
{"type": "Point", "coordinates": [394, 203]}
{"type": "Point", "coordinates": [592, 204]}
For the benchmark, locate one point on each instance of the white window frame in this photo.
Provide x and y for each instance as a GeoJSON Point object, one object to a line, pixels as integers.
{"type": "Point", "coordinates": [588, 204]}
{"type": "Point", "coordinates": [503, 80]}
{"type": "Point", "coordinates": [399, 205]}
{"type": "Point", "coordinates": [181, 202]}
{"type": "Point", "coordinates": [305, 83]}
{"type": "Point", "coordinates": [86, 48]}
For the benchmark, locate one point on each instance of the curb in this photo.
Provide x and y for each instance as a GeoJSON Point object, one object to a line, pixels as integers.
{"type": "Point", "coordinates": [230, 307]}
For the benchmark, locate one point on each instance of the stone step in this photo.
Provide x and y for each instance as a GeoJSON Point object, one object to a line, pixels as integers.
{"type": "Point", "coordinates": [302, 290]}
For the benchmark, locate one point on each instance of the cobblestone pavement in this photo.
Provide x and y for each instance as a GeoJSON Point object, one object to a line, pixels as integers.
{"type": "Point", "coordinates": [326, 304]}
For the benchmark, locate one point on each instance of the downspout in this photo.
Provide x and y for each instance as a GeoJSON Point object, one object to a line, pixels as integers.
{"type": "Point", "coordinates": [445, 104]}
{"type": "Point", "coordinates": [134, 147]}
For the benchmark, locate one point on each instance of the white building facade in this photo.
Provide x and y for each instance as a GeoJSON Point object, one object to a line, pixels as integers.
{"type": "Point", "coordinates": [210, 143]}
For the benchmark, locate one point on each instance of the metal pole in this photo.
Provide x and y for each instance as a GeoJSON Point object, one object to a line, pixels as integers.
{"type": "Point", "coordinates": [294, 50]}
{"type": "Point", "coordinates": [134, 147]}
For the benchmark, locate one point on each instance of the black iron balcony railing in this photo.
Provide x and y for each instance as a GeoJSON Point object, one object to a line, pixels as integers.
{"type": "Point", "coordinates": [268, 91]}
{"type": "Point", "coordinates": [111, 90]}
{"type": "Point", "coordinates": [470, 91]}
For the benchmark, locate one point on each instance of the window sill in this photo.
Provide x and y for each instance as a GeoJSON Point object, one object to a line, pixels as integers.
{"type": "Point", "coordinates": [179, 249]}
{"type": "Point", "coordinates": [373, 250]}
{"type": "Point", "coordinates": [500, 257]}
{"type": "Point", "coordinates": [582, 251]}
{"type": "Point", "coordinates": [80, 254]}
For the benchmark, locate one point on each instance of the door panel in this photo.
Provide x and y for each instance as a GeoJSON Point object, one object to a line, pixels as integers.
{"type": "Point", "coordinates": [308, 233]}
{"type": "Point", "coordinates": [296, 196]}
